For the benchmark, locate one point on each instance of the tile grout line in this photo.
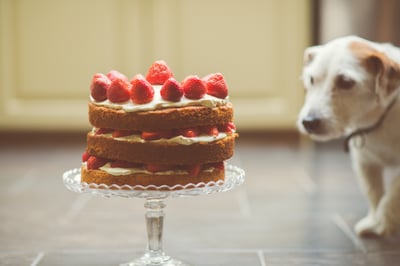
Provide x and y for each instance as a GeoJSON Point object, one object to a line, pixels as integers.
{"type": "Point", "coordinates": [261, 257]}
{"type": "Point", "coordinates": [340, 222]}
{"type": "Point", "coordinates": [37, 259]}
{"type": "Point", "coordinates": [23, 183]}
{"type": "Point", "coordinates": [78, 204]}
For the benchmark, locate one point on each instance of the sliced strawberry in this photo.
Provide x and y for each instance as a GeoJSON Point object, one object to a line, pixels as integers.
{"type": "Point", "coordinates": [99, 87]}
{"type": "Point", "coordinates": [219, 165]}
{"type": "Point", "coordinates": [194, 88]}
{"type": "Point", "coordinates": [216, 85]}
{"type": "Point", "coordinates": [154, 135]}
{"type": "Point", "coordinates": [158, 73]}
{"type": "Point", "coordinates": [210, 130]}
{"type": "Point", "coordinates": [171, 90]}
{"type": "Point", "coordinates": [114, 74]}
{"type": "Point", "coordinates": [95, 162]}
{"type": "Point", "coordinates": [158, 167]}
{"type": "Point", "coordinates": [85, 156]}
{"type": "Point", "coordinates": [101, 131]}
{"type": "Point", "coordinates": [124, 164]}
{"type": "Point", "coordinates": [122, 133]}
{"type": "Point", "coordinates": [194, 170]}
{"type": "Point", "coordinates": [118, 91]}
{"type": "Point", "coordinates": [141, 91]}
{"type": "Point", "coordinates": [227, 128]}
{"type": "Point", "coordinates": [189, 132]}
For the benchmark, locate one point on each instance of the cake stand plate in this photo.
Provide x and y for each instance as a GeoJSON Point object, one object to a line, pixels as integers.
{"type": "Point", "coordinates": [155, 203]}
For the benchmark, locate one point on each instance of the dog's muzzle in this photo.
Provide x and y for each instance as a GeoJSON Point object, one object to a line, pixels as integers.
{"type": "Point", "coordinates": [312, 124]}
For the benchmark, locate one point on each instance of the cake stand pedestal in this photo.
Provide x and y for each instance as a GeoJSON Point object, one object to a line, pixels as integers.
{"type": "Point", "coordinates": [154, 204]}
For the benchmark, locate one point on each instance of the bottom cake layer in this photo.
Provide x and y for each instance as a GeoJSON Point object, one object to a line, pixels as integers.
{"type": "Point", "coordinates": [99, 176]}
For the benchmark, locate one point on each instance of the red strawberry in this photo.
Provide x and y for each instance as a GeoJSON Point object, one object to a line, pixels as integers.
{"type": "Point", "coordinates": [101, 131]}
{"type": "Point", "coordinates": [227, 128]}
{"type": "Point", "coordinates": [94, 162]}
{"type": "Point", "coordinates": [219, 165]}
{"type": "Point", "coordinates": [172, 90]}
{"type": "Point", "coordinates": [193, 87]}
{"type": "Point", "coordinates": [194, 170]}
{"type": "Point", "coordinates": [189, 132]}
{"type": "Point", "coordinates": [154, 135]}
{"type": "Point", "coordinates": [122, 133]}
{"type": "Point", "coordinates": [85, 156]}
{"type": "Point", "coordinates": [158, 167]}
{"type": "Point", "coordinates": [99, 87]}
{"type": "Point", "coordinates": [114, 74]}
{"type": "Point", "coordinates": [124, 164]}
{"type": "Point", "coordinates": [216, 85]}
{"type": "Point", "coordinates": [118, 91]}
{"type": "Point", "coordinates": [141, 91]}
{"type": "Point", "coordinates": [158, 73]}
{"type": "Point", "coordinates": [210, 130]}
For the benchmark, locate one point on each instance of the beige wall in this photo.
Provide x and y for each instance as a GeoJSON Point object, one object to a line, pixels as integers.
{"type": "Point", "coordinates": [49, 50]}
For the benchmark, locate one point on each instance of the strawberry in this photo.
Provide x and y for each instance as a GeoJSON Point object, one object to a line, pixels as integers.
{"type": "Point", "coordinates": [210, 130]}
{"type": "Point", "coordinates": [194, 170]}
{"type": "Point", "coordinates": [124, 164]}
{"type": "Point", "coordinates": [219, 165]}
{"type": "Point", "coordinates": [158, 73]}
{"type": "Point", "coordinates": [171, 90]}
{"type": "Point", "coordinates": [193, 87]}
{"type": "Point", "coordinates": [85, 156]}
{"type": "Point", "coordinates": [95, 162]}
{"type": "Point", "coordinates": [141, 91]}
{"type": "Point", "coordinates": [118, 91]}
{"type": "Point", "coordinates": [157, 167]}
{"type": "Point", "coordinates": [189, 132]}
{"type": "Point", "coordinates": [122, 133]}
{"type": "Point", "coordinates": [114, 74]}
{"type": "Point", "coordinates": [227, 128]}
{"type": "Point", "coordinates": [99, 87]}
{"type": "Point", "coordinates": [216, 85]}
{"type": "Point", "coordinates": [154, 135]}
{"type": "Point", "coordinates": [101, 131]}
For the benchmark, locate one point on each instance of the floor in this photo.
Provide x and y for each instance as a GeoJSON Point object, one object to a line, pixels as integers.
{"type": "Point", "coordinates": [298, 206]}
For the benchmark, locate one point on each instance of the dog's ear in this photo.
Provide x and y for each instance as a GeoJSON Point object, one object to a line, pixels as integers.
{"type": "Point", "coordinates": [310, 53]}
{"type": "Point", "coordinates": [386, 72]}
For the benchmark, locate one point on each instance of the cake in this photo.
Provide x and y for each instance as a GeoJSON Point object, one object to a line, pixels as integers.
{"type": "Point", "coordinates": [155, 131]}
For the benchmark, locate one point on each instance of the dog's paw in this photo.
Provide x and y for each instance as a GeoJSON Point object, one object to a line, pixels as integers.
{"type": "Point", "coordinates": [369, 226]}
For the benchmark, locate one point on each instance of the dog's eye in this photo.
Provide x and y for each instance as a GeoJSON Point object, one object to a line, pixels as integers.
{"type": "Point", "coordinates": [343, 82]}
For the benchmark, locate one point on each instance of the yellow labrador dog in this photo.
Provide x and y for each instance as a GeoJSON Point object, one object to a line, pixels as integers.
{"type": "Point", "coordinates": [352, 90]}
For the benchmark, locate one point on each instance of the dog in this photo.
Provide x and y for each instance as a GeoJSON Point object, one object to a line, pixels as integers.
{"type": "Point", "coordinates": [352, 88]}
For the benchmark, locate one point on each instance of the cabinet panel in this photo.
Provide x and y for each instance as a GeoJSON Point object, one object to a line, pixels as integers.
{"type": "Point", "coordinates": [50, 49]}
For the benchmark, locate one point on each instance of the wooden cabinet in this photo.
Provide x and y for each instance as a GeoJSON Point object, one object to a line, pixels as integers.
{"type": "Point", "coordinates": [49, 51]}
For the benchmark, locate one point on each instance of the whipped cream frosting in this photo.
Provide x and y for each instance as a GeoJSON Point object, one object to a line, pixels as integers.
{"type": "Point", "coordinates": [117, 171]}
{"type": "Point", "coordinates": [159, 103]}
{"type": "Point", "coordinates": [176, 140]}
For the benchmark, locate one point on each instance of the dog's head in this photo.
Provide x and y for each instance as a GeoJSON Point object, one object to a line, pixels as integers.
{"type": "Point", "coordinates": [348, 83]}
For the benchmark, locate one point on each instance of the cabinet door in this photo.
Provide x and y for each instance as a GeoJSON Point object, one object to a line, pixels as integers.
{"type": "Point", "coordinates": [49, 51]}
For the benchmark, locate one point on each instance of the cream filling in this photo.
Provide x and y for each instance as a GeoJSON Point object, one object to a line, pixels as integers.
{"type": "Point", "coordinates": [176, 140]}
{"type": "Point", "coordinates": [159, 103]}
{"type": "Point", "coordinates": [117, 171]}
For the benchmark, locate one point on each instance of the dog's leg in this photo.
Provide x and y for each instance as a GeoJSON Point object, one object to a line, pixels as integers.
{"type": "Point", "coordinates": [388, 211]}
{"type": "Point", "coordinates": [371, 181]}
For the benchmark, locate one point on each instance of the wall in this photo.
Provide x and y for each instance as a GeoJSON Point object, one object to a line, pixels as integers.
{"type": "Point", "coordinates": [49, 51]}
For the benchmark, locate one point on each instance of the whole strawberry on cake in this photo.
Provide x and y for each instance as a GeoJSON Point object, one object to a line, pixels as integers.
{"type": "Point", "coordinates": [157, 131]}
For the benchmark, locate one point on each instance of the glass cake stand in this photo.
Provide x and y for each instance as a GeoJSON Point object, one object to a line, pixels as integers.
{"type": "Point", "coordinates": [155, 203]}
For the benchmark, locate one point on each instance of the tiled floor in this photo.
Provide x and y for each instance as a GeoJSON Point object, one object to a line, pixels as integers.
{"type": "Point", "coordinates": [298, 206]}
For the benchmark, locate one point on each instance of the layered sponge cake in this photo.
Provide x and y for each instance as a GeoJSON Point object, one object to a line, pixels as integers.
{"type": "Point", "coordinates": [156, 131]}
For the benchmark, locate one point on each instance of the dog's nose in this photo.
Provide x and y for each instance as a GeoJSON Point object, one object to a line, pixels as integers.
{"type": "Point", "coordinates": [311, 124]}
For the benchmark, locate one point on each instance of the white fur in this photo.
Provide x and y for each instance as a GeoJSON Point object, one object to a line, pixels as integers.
{"type": "Point", "coordinates": [343, 111]}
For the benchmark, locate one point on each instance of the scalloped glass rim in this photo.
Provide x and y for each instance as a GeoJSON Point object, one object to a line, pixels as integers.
{"type": "Point", "coordinates": [234, 176]}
